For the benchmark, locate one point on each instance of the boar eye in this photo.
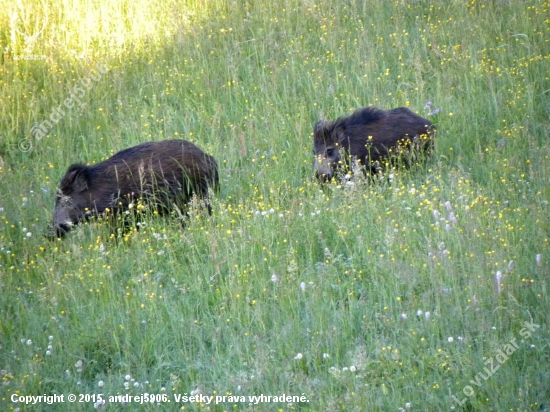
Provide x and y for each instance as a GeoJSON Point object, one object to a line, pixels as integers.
{"type": "Point", "coordinates": [331, 152]}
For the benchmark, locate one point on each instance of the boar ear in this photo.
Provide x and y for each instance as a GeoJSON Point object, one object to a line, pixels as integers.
{"type": "Point", "coordinates": [339, 134]}
{"type": "Point", "coordinates": [75, 180]}
{"type": "Point", "coordinates": [321, 124]}
{"type": "Point", "coordinates": [322, 134]}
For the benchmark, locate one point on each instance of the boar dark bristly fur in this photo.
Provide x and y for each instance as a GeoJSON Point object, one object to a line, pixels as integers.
{"type": "Point", "coordinates": [368, 135]}
{"type": "Point", "coordinates": [164, 174]}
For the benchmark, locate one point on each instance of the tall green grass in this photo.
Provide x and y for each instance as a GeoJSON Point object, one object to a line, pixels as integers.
{"type": "Point", "coordinates": [361, 296]}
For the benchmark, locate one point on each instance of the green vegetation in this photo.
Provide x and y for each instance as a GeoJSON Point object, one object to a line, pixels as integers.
{"type": "Point", "coordinates": [360, 296]}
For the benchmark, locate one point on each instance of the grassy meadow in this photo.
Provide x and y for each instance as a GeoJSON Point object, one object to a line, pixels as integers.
{"type": "Point", "coordinates": [425, 291]}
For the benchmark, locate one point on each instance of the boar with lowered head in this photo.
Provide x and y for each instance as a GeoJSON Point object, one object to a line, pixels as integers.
{"type": "Point", "coordinates": [369, 135]}
{"type": "Point", "coordinates": [163, 174]}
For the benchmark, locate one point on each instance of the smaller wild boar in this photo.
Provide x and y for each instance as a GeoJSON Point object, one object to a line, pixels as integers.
{"type": "Point", "coordinates": [368, 135]}
{"type": "Point", "coordinates": [164, 174]}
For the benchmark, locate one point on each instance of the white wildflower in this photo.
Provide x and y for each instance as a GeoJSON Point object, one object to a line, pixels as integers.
{"type": "Point", "coordinates": [498, 281]}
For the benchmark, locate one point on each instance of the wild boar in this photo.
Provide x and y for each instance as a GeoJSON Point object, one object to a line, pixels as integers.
{"type": "Point", "coordinates": [163, 174]}
{"type": "Point", "coordinates": [369, 135]}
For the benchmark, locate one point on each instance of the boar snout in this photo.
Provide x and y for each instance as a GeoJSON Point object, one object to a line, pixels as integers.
{"type": "Point", "coordinates": [323, 168]}
{"type": "Point", "coordinates": [62, 222]}
{"type": "Point", "coordinates": [56, 231]}
{"type": "Point", "coordinates": [62, 229]}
